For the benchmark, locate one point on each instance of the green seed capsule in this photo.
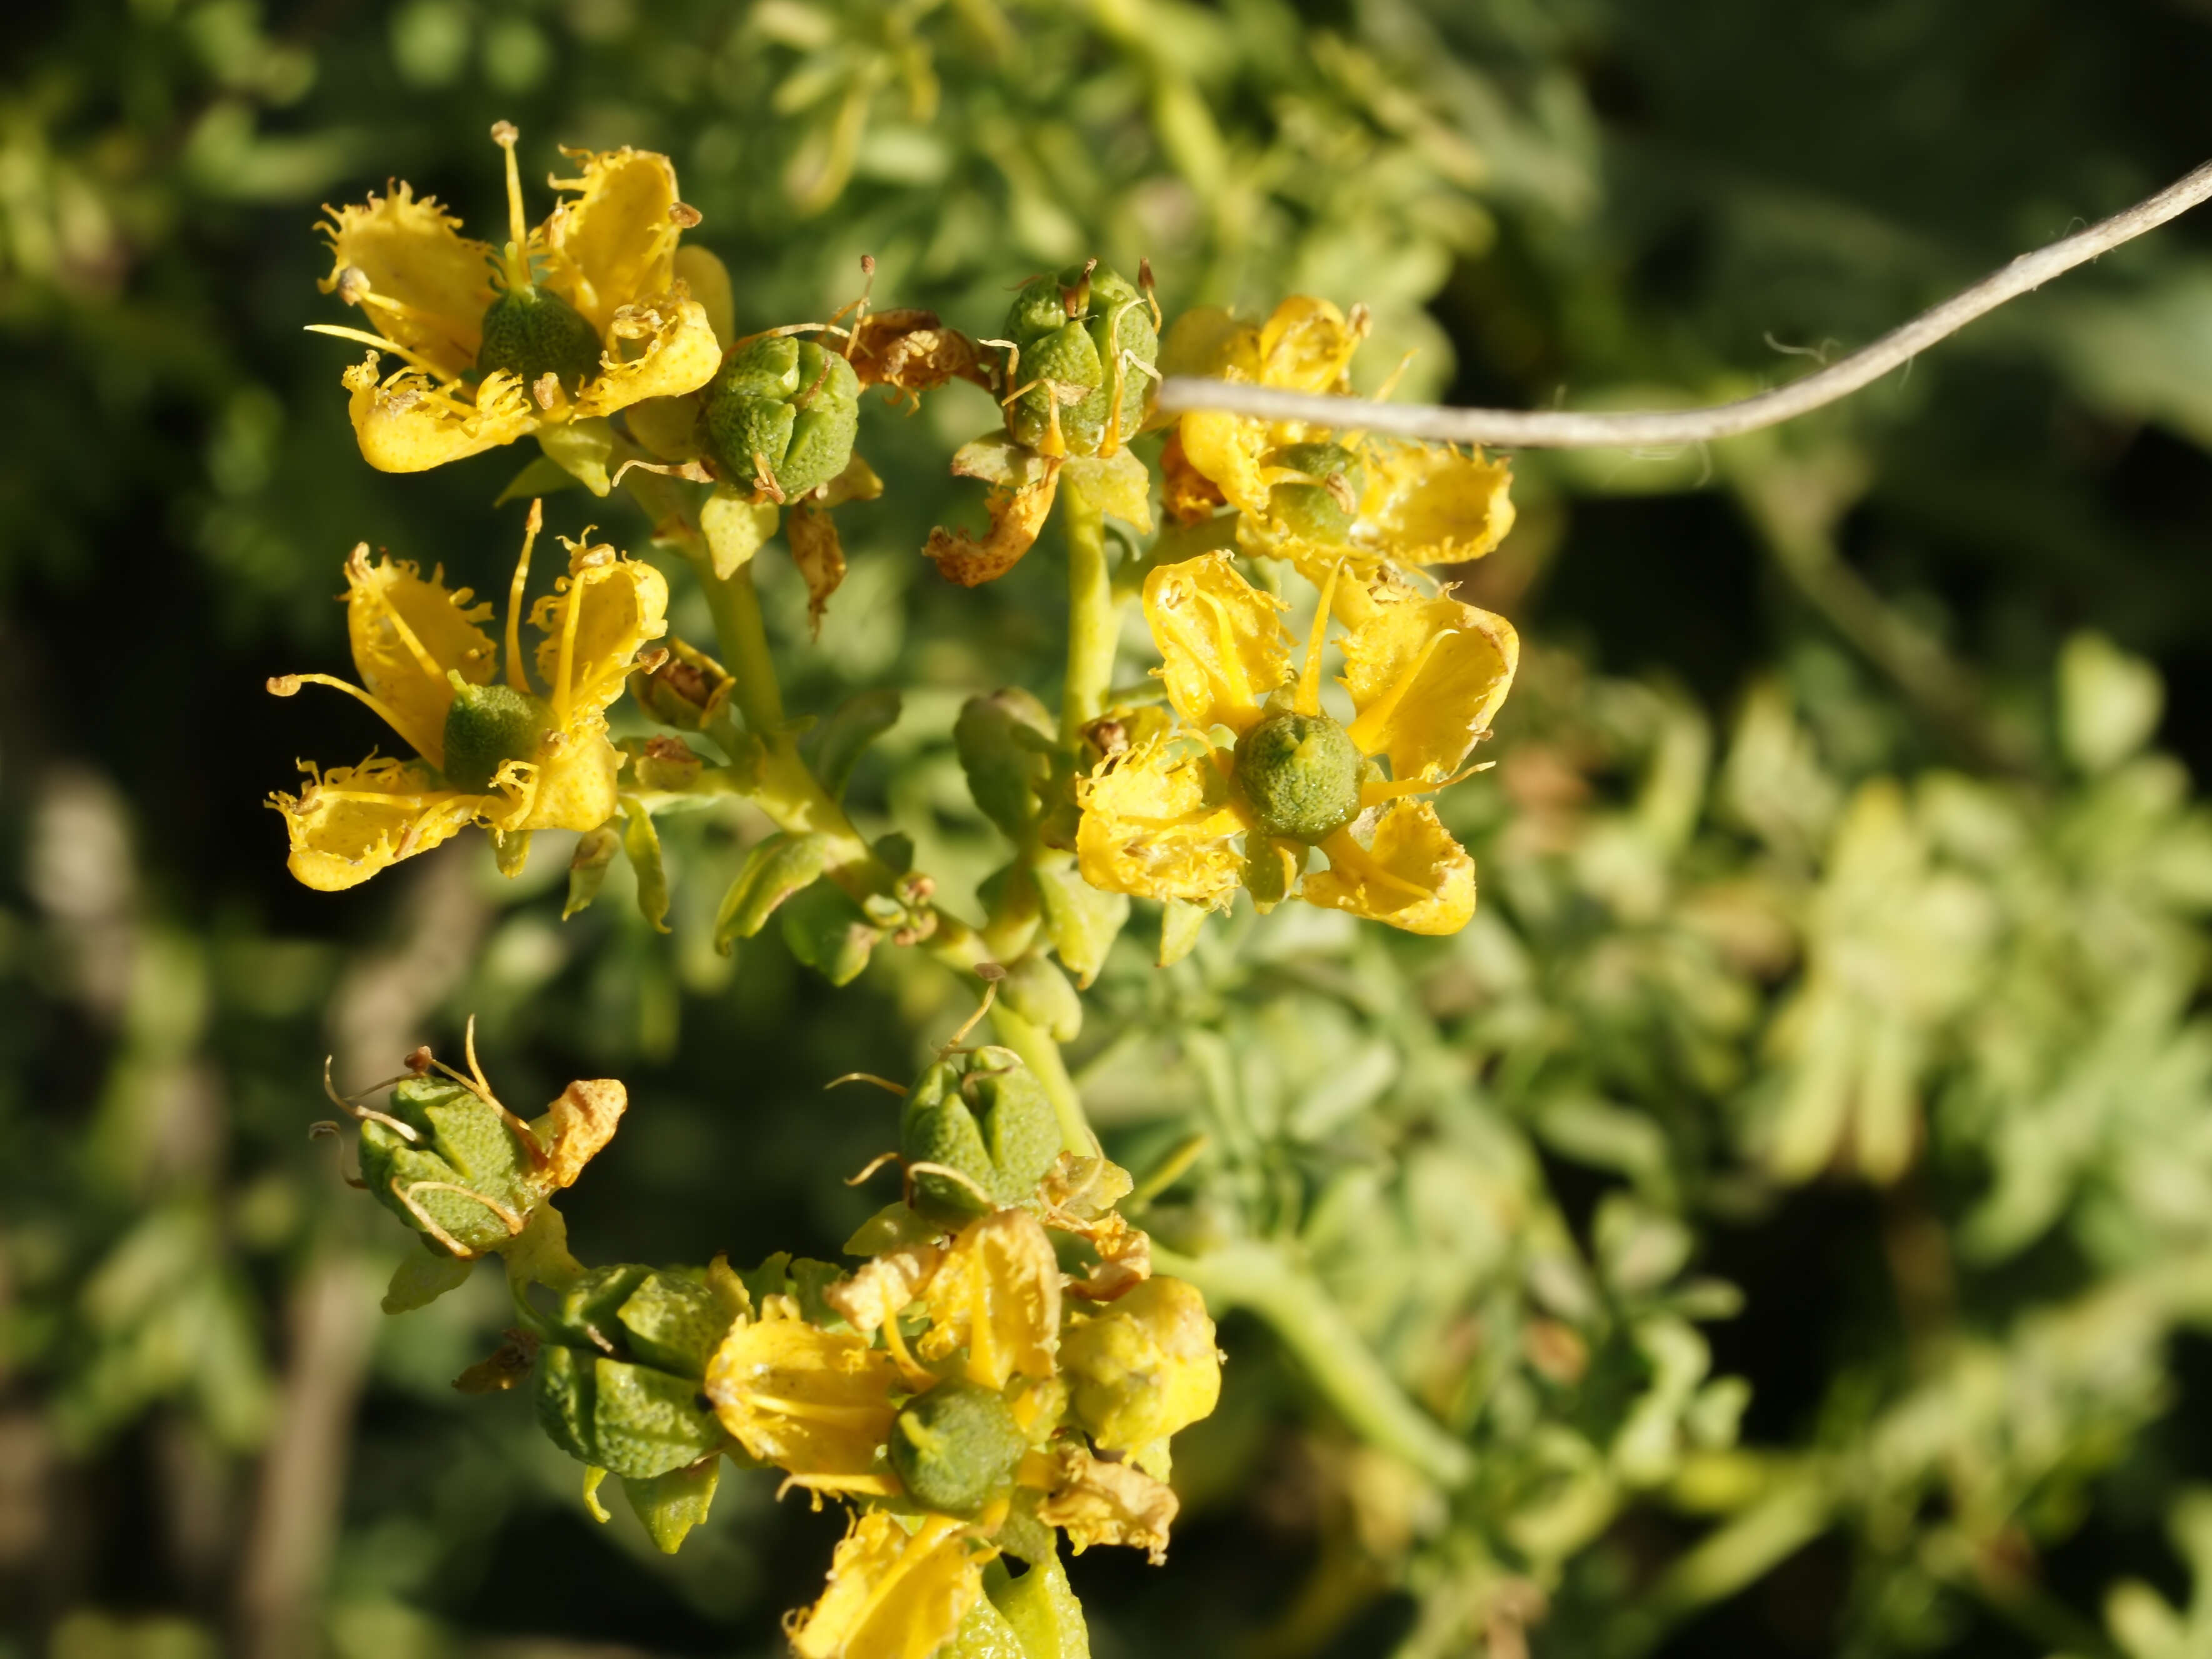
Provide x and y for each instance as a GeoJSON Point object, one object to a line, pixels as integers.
{"type": "Point", "coordinates": [1080, 333]}
{"type": "Point", "coordinates": [985, 1114]}
{"type": "Point", "coordinates": [530, 332]}
{"type": "Point", "coordinates": [787, 405]}
{"type": "Point", "coordinates": [1300, 775]}
{"type": "Point", "coordinates": [487, 726]}
{"type": "Point", "coordinates": [1323, 509]}
{"type": "Point", "coordinates": [465, 1173]}
{"type": "Point", "coordinates": [957, 1448]}
{"type": "Point", "coordinates": [630, 1420]}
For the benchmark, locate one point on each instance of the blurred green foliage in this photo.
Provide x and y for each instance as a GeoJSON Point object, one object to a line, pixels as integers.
{"type": "Point", "coordinates": [1778, 1224]}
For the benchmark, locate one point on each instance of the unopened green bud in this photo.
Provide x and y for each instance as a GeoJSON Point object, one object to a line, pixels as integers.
{"type": "Point", "coordinates": [487, 726]}
{"type": "Point", "coordinates": [530, 332]}
{"type": "Point", "coordinates": [1322, 506]}
{"type": "Point", "coordinates": [784, 406]}
{"type": "Point", "coordinates": [1300, 773]}
{"type": "Point", "coordinates": [687, 690]}
{"type": "Point", "coordinates": [984, 1115]}
{"type": "Point", "coordinates": [1084, 336]}
{"type": "Point", "coordinates": [957, 1447]}
{"type": "Point", "coordinates": [1144, 1368]}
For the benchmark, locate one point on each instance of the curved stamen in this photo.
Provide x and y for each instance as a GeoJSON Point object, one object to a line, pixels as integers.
{"type": "Point", "coordinates": [1366, 730]}
{"type": "Point", "coordinates": [286, 685]}
{"type": "Point", "coordinates": [1309, 700]}
{"type": "Point", "coordinates": [517, 676]}
{"type": "Point", "coordinates": [412, 358]}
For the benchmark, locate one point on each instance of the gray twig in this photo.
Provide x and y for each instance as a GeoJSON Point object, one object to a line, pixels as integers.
{"type": "Point", "coordinates": [1570, 430]}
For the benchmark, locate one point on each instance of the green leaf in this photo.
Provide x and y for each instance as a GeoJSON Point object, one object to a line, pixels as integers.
{"type": "Point", "coordinates": [1081, 921]}
{"type": "Point", "coordinates": [773, 870]}
{"type": "Point", "coordinates": [642, 842]}
{"type": "Point", "coordinates": [845, 736]}
{"type": "Point", "coordinates": [1005, 742]}
{"type": "Point", "coordinates": [1179, 925]}
{"type": "Point", "coordinates": [423, 1276]}
{"type": "Point", "coordinates": [1036, 989]}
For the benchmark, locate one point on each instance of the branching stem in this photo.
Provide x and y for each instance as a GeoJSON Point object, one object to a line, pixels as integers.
{"type": "Point", "coordinates": [1094, 616]}
{"type": "Point", "coordinates": [1570, 429]}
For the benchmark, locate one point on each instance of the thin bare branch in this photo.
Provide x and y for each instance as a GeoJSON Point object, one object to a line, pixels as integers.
{"type": "Point", "coordinates": [1569, 429]}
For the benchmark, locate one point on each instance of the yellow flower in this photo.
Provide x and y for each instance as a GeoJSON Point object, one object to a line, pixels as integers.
{"type": "Point", "coordinates": [577, 318]}
{"type": "Point", "coordinates": [893, 1593]}
{"type": "Point", "coordinates": [499, 755]}
{"type": "Point", "coordinates": [817, 1403]}
{"type": "Point", "coordinates": [1303, 493]}
{"type": "Point", "coordinates": [1183, 818]}
{"type": "Point", "coordinates": [996, 1293]}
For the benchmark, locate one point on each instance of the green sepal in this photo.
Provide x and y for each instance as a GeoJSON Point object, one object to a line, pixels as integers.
{"type": "Point", "coordinates": [983, 1633]}
{"type": "Point", "coordinates": [891, 1228]}
{"type": "Point", "coordinates": [1005, 742]}
{"type": "Point", "coordinates": [1080, 920]}
{"type": "Point", "coordinates": [1040, 1608]}
{"type": "Point", "coordinates": [587, 870]}
{"type": "Point", "coordinates": [829, 932]}
{"type": "Point", "coordinates": [1179, 925]}
{"type": "Point", "coordinates": [422, 1276]}
{"type": "Point", "coordinates": [736, 526]}
{"type": "Point", "coordinates": [802, 1278]}
{"type": "Point", "coordinates": [642, 841]}
{"type": "Point", "coordinates": [543, 476]}
{"type": "Point", "coordinates": [582, 449]}
{"type": "Point", "coordinates": [1036, 989]}
{"type": "Point", "coordinates": [845, 736]}
{"type": "Point", "coordinates": [672, 1504]}
{"type": "Point", "coordinates": [774, 869]}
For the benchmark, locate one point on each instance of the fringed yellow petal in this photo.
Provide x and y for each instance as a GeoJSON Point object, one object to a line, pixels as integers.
{"type": "Point", "coordinates": [1307, 345]}
{"type": "Point", "coordinates": [408, 634]}
{"type": "Point", "coordinates": [1225, 450]}
{"type": "Point", "coordinates": [353, 821]}
{"type": "Point", "coordinates": [1413, 876]}
{"type": "Point", "coordinates": [613, 241]}
{"type": "Point", "coordinates": [421, 283]}
{"type": "Point", "coordinates": [997, 1294]}
{"type": "Point", "coordinates": [594, 621]}
{"type": "Point", "coordinates": [1426, 504]}
{"type": "Point", "coordinates": [893, 1593]}
{"type": "Point", "coordinates": [816, 1403]}
{"type": "Point", "coordinates": [1425, 676]}
{"type": "Point", "coordinates": [1157, 822]}
{"type": "Point", "coordinates": [405, 424]}
{"type": "Point", "coordinates": [1017, 513]}
{"type": "Point", "coordinates": [1101, 1502]}
{"type": "Point", "coordinates": [576, 787]}
{"type": "Point", "coordinates": [662, 347]}
{"type": "Point", "coordinates": [1222, 639]}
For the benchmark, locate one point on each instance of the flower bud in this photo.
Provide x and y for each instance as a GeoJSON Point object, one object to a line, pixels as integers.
{"type": "Point", "coordinates": [1087, 344]}
{"type": "Point", "coordinates": [984, 1115]}
{"type": "Point", "coordinates": [1144, 1368]}
{"type": "Point", "coordinates": [956, 1448]}
{"type": "Point", "coordinates": [782, 415]}
{"type": "Point", "coordinates": [687, 690]}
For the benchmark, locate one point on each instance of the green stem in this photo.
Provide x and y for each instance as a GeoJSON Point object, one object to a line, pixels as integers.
{"type": "Point", "coordinates": [1043, 1057]}
{"type": "Point", "coordinates": [743, 641]}
{"type": "Point", "coordinates": [1094, 616]}
{"type": "Point", "coordinates": [1341, 1367]}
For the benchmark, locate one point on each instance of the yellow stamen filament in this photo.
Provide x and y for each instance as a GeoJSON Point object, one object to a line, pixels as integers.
{"type": "Point", "coordinates": [517, 248]}
{"type": "Point", "coordinates": [564, 687]}
{"type": "Point", "coordinates": [362, 337]}
{"type": "Point", "coordinates": [355, 1109]}
{"type": "Point", "coordinates": [874, 1164]}
{"type": "Point", "coordinates": [1366, 731]}
{"type": "Point", "coordinates": [1309, 700]}
{"type": "Point", "coordinates": [810, 1411]}
{"type": "Point", "coordinates": [383, 712]}
{"type": "Point", "coordinates": [1233, 664]}
{"type": "Point", "coordinates": [916, 1375]}
{"type": "Point", "coordinates": [867, 1077]}
{"type": "Point", "coordinates": [517, 676]}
